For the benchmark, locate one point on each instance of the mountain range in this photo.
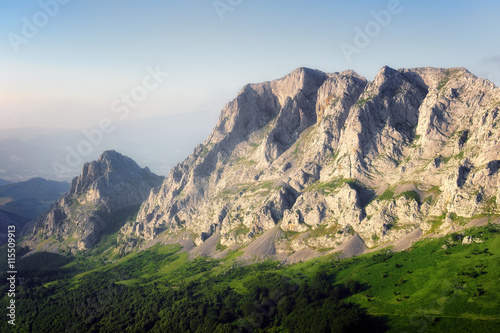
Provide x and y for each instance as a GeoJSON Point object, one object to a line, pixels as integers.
{"type": "Point", "coordinates": [310, 164]}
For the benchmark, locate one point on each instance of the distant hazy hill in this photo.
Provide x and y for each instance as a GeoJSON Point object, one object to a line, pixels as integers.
{"type": "Point", "coordinates": [29, 153]}
{"type": "Point", "coordinates": [8, 219]}
{"type": "Point", "coordinates": [4, 182]}
{"type": "Point", "coordinates": [31, 198]}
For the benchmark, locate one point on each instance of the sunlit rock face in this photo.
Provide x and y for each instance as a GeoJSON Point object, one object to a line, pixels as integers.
{"type": "Point", "coordinates": [328, 156]}
{"type": "Point", "coordinates": [310, 163]}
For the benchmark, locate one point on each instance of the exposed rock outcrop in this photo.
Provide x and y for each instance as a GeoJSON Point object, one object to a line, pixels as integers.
{"type": "Point", "coordinates": [99, 200]}
{"type": "Point", "coordinates": [325, 157]}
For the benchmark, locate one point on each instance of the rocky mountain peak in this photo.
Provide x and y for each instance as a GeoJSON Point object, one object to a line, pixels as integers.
{"type": "Point", "coordinates": [109, 164]}
{"type": "Point", "coordinates": [332, 156]}
{"type": "Point", "coordinates": [116, 162]}
{"type": "Point", "coordinates": [112, 184]}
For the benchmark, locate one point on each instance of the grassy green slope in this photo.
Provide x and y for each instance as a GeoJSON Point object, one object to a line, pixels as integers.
{"type": "Point", "coordinates": [438, 286]}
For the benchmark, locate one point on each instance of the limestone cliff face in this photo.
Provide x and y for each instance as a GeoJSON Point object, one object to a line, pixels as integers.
{"type": "Point", "coordinates": [327, 156]}
{"type": "Point", "coordinates": [112, 184]}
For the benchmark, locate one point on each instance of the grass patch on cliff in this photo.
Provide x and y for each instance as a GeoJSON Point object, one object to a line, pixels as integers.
{"type": "Point", "coordinates": [290, 234]}
{"type": "Point", "coordinates": [443, 82]}
{"type": "Point", "coordinates": [206, 149]}
{"type": "Point", "coordinates": [490, 205]}
{"type": "Point", "coordinates": [387, 195]}
{"type": "Point", "coordinates": [362, 101]}
{"type": "Point", "coordinates": [245, 161]}
{"type": "Point", "coordinates": [411, 195]}
{"type": "Point", "coordinates": [240, 230]}
{"type": "Point", "coordinates": [436, 222]}
{"type": "Point", "coordinates": [331, 186]}
{"type": "Point", "coordinates": [301, 143]}
{"type": "Point", "coordinates": [456, 157]}
{"type": "Point", "coordinates": [432, 194]}
{"type": "Point", "coordinates": [458, 219]}
{"type": "Point", "coordinates": [324, 230]}
{"type": "Point", "coordinates": [219, 246]}
{"type": "Point", "coordinates": [233, 190]}
{"type": "Point", "coordinates": [447, 78]}
{"type": "Point", "coordinates": [434, 190]}
{"type": "Point", "coordinates": [261, 188]}
{"type": "Point", "coordinates": [326, 187]}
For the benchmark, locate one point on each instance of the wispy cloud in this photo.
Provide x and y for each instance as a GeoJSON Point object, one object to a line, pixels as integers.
{"type": "Point", "coordinates": [493, 60]}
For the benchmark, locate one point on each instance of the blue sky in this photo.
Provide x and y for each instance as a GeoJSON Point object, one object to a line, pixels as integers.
{"type": "Point", "coordinates": [92, 52]}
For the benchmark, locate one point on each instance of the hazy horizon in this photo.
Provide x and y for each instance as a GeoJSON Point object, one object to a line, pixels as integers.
{"type": "Point", "coordinates": [93, 66]}
{"type": "Point", "coordinates": [157, 144]}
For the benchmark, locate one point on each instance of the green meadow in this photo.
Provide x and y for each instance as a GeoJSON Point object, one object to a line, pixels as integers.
{"type": "Point", "coordinates": [438, 285]}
